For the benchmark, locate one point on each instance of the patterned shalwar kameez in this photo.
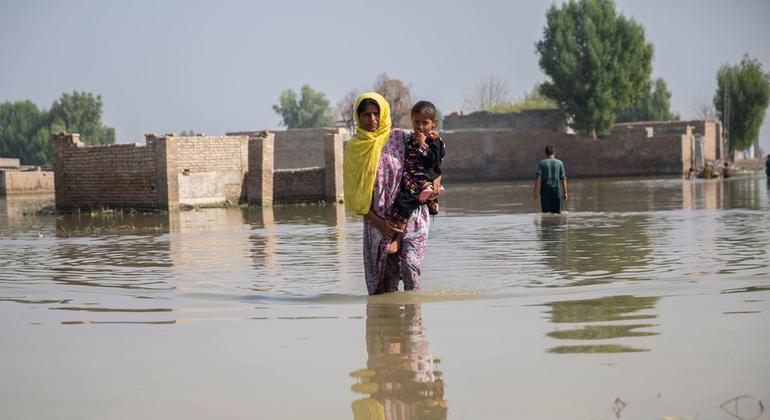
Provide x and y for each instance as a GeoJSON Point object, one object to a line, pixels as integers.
{"type": "Point", "coordinates": [383, 271]}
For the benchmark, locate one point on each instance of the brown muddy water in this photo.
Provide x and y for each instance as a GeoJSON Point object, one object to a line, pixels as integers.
{"type": "Point", "coordinates": [649, 300]}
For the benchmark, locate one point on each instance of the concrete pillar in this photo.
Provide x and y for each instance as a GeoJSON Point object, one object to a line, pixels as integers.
{"type": "Point", "coordinates": [61, 143]}
{"type": "Point", "coordinates": [259, 189]}
{"type": "Point", "coordinates": [333, 167]}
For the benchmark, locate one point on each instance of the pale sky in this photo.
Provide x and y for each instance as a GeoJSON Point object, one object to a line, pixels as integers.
{"type": "Point", "coordinates": [168, 66]}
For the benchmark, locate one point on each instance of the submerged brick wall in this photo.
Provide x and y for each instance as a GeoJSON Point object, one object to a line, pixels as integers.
{"type": "Point", "coordinates": [505, 155]}
{"type": "Point", "coordinates": [298, 185]}
{"type": "Point", "coordinates": [9, 163]}
{"type": "Point", "coordinates": [211, 169]}
{"type": "Point", "coordinates": [301, 147]}
{"type": "Point", "coordinates": [123, 175]}
{"type": "Point", "coordinates": [709, 132]}
{"type": "Point", "coordinates": [14, 181]}
{"type": "Point", "coordinates": [550, 120]}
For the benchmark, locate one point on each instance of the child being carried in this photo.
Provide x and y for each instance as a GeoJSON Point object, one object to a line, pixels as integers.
{"type": "Point", "coordinates": [421, 180]}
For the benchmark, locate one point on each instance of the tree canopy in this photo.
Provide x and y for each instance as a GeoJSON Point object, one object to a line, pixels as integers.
{"type": "Point", "coordinates": [598, 61]}
{"type": "Point", "coordinates": [531, 100]}
{"type": "Point", "coordinates": [399, 97]}
{"type": "Point", "coordinates": [654, 105]}
{"type": "Point", "coordinates": [741, 99]}
{"type": "Point", "coordinates": [488, 94]}
{"type": "Point", "coordinates": [310, 110]}
{"type": "Point", "coordinates": [25, 129]}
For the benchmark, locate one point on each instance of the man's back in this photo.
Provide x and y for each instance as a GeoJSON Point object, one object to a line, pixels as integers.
{"type": "Point", "coordinates": [551, 172]}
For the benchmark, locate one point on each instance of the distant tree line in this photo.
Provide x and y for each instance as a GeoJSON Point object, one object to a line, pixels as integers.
{"type": "Point", "coordinates": [25, 129]}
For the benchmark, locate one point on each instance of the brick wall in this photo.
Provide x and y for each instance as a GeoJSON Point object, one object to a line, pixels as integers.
{"type": "Point", "coordinates": [121, 175]}
{"type": "Point", "coordinates": [300, 148]}
{"type": "Point", "coordinates": [26, 182]}
{"type": "Point", "coordinates": [506, 155]}
{"type": "Point", "coordinates": [551, 120]}
{"type": "Point", "coordinates": [211, 170]}
{"type": "Point", "coordinates": [297, 185]}
{"type": "Point", "coordinates": [320, 148]}
{"type": "Point", "coordinates": [710, 132]}
{"type": "Point", "coordinates": [9, 163]}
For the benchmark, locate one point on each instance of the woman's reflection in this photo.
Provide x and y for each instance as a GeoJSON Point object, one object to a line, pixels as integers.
{"type": "Point", "coordinates": [401, 379]}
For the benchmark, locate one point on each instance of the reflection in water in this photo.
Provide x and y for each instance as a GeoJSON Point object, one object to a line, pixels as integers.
{"type": "Point", "coordinates": [590, 253]}
{"type": "Point", "coordinates": [610, 308]}
{"type": "Point", "coordinates": [401, 379]}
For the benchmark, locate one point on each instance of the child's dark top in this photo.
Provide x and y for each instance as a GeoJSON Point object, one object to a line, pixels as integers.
{"type": "Point", "coordinates": [421, 166]}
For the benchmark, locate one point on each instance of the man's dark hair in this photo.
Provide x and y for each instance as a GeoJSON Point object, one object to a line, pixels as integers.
{"type": "Point", "coordinates": [425, 108]}
{"type": "Point", "coordinates": [550, 150]}
{"type": "Point", "coordinates": [366, 102]}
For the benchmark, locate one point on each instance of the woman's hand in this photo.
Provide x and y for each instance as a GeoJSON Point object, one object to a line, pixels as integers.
{"type": "Point", "coordinates": [386, 227]}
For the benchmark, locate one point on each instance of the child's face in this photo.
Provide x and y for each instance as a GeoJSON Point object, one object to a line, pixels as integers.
{"type": "Point", "coordinates": [423, 123]}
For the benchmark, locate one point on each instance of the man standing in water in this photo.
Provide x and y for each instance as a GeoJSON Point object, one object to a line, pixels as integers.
{"type": "Point", "coordinates": [551, 182]}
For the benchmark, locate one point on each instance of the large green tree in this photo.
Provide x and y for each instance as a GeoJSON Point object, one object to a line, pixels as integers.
{"type": "Point", "coordinates": [598, 61]}
{"type": "Point", "coordinates": [311, 109]}
{"type": "Point", "coordinates": [741, 99]}
{"type": "Point", "coordinates": [25, 130]}
{"type": "Point", "coordinates": [24, 133]}
{"type": "Point", "coordinates": [81, 112]}
{"type": "Point", "coordinates": [654, 105]}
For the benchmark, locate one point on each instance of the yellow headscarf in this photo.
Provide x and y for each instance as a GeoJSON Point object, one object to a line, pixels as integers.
{"type": "Point", "coordinates": [362, 156]}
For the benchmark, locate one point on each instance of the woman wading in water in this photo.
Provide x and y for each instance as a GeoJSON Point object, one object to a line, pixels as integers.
{"type": "Point", "coordinates": [373, 167]}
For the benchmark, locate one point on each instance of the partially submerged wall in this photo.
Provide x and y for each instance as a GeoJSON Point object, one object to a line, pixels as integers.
{"type": "Point", "coordinates": [119, 175]}
{"type": "Point", "coordinates": [301, 147]}
{"type": "Point", "coordinates": [266, 183]}
{"type": "Point", "coordinates": [551, 120]}
{"type": "Point", "coordinates": [708, 132]}
{"type": "Point", "coordinates": [298, 185]}
{"type": "Point", "coordinates": [9, 163]}
{"type": "Point", "coordinates": [211, 170]}
{"type": "Point", "coordinates": [506, 155]}
{"type": "Point", "coordinates": [36, 181]}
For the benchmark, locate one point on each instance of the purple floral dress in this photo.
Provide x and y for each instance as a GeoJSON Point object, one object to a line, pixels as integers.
{"type": "Point", "coordinates": [383, 271]}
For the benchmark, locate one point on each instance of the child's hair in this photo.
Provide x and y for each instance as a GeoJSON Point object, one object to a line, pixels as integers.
{"type": "Point", "coordinates": [366, 102]}
{"type": "Point", "coordinates": [550, 149]}
{"type": "Point", "coordinates": [425, 108]}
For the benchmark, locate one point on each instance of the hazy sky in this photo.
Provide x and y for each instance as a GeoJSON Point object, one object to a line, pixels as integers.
{"type": "Point", "coordinates": [168, 66]}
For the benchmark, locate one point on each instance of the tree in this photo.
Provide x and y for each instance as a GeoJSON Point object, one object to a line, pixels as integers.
{"type": "Point", "coordinates": [399, 96]}
{"type": "Point", "coordinates": [345, 109]}
{"type": "Point", "coordinates": [654, 105]}
{"type": "Point", "coordinates": [704, 109]}
{"type": "Point", "coordinates": [25, 130]}
{"type": "Point", "coordinates": [532, 100]}
{"type": "Point", "coordinates": [741, 99]}
{"type": "Point", "coordinates": [311, 110]}
{"type": "Point", "coordinates": [24, 133]}
{"type": "Point", "coordinates": [597, 60]}
{"type": "Point", "coordinates": [81, 112]}
{"type": "Point", "coordinates": [488, 93]}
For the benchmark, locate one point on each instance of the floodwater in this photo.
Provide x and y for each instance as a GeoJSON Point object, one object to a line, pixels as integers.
{"type": "Point", "coordinates": [649, 300]}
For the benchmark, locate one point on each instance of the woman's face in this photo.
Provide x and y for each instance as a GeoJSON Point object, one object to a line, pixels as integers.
{"type": "Point", "coordinates": [370, 118]}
